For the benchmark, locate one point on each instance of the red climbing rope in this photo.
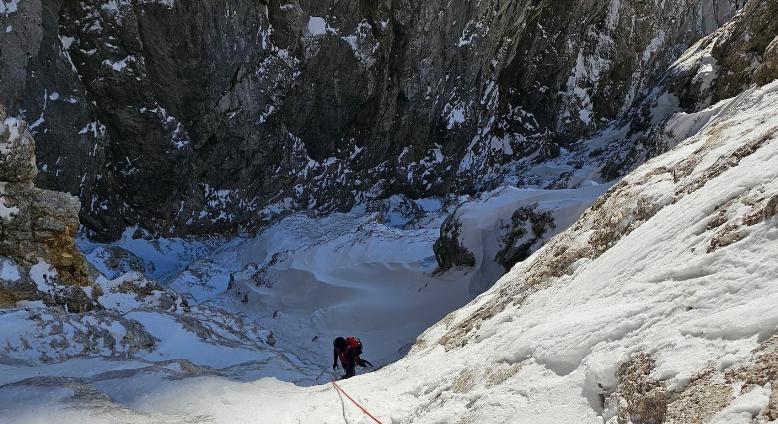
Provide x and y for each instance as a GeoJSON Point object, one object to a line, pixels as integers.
{"type": "Point", "coordinates": [355, 403]}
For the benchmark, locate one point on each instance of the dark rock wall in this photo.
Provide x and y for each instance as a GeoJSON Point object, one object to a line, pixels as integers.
{"type": "Point", "coordinates": [212, 115]}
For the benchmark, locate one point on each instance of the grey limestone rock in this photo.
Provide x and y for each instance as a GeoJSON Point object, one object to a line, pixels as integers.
{"type": "Point", "coordinates": [200, 117]}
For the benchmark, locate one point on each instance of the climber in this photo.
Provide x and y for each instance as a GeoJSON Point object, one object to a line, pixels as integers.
{"type": "Point", "coordinates": [348, 350]}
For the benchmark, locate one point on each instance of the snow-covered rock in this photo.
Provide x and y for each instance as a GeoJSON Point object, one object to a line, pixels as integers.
{"type": "Point", "coordinates": [41, 335]}
{"type": "Point", "coordinates": [133, 291]}
{"type": "Point", "coordinates": [17, 150]}
{"type": "Point", "coordinates": [504, 226]}
{"type": "Point", "coordinates": [719, 66]}
{"type": "Point", "coordinates": [643, 272]}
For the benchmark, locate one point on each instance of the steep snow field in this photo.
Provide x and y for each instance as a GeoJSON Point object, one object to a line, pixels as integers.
{"type": "Point", "coordinates": [672, 269]}
{"type": "Point", "coordinates": [311, 280]}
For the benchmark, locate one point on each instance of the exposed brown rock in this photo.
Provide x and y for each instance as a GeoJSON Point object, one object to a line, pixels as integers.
{"type": "Point", "coordinates": [711, 390]}
{"type": "Point", "coordinates": [761, 370]}
{"type": "Point", "coordinates": [7, 299]}
{"type": "Point", "coordinates": [638, 397]}
{"type": "Point", "coordinates": [37, 225]}
{"type": "Point", "coordinates": [771, 208]}
{"type": "Point", "coordinates": [726, 236]}
{"type": "Point", "coordinates": [699, 401]}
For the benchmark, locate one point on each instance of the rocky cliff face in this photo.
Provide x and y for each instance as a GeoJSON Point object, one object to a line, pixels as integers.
{"type": "Point", "coordinates": [742, 53]}
{"type": "Point", "coordinates": [720, 66]}
{"type": "Point", "coordinates": [189, 117]}
{"type": "Point", "coordinates": [38, 257]}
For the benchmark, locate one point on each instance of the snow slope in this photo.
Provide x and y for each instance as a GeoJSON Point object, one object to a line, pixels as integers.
{"type": "Point", "coordinates": [672, 273]}
{"type": "Point", "coordinates": [305, 280]}
{"type": "Point", "coordinates": [311, 280]}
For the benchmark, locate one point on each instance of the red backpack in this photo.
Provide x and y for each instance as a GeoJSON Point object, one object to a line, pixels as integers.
{"type": "Point", "coordinates": [355, 344]}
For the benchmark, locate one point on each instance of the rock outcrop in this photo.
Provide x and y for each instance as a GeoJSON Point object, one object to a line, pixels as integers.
{"type": "Point", "coordinates": [132, 290]}
{"type": "Point", "coordinates": [192, 117]}
{"type": "Point", "coordinates": [449, 250]}
{"type": "Point", "coordinates": [657, 306]}
{"type": "Point", "coordinates": [639, 398]}
{"type": "Point", "coordinates": [503, 227]}
{"type": "Point", "coordinates": [37, 230]}
{"type": "Point", "coordinates": [53, 335]}
{"type": "Point", "coordinates": [524, 235]}
{"type": "Point", "coordinates": [523, 232]}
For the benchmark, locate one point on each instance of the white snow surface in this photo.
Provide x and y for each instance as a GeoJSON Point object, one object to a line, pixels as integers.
{"type": "Point", "coordinates": [648, 272]}
{"type": "Point", "coordinates": [9, 271]}
{"type": "Point", "coordinates": [317, 26]}
{"type": "Point", "coordinates": [8, 7]}
{"type": "Point", "coordinates": [42, 274]}
{"type": "Point", "coordinates": [308, 280]}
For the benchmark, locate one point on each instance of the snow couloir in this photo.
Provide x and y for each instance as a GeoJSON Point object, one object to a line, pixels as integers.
{"type": "Point", "coordinates": [662, 293]}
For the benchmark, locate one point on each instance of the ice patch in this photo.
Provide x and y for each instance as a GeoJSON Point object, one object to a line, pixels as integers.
{"type": "Point", "coordinates": [455, 115]}
{"type": "Point", "coordinates": [41, 274]}
{"type": "Point", "coordinates": [8, 6]}
{"type": "Point", "coordinates": [9, 271]}
{"type": "Point", "coordinates": [317, 26]}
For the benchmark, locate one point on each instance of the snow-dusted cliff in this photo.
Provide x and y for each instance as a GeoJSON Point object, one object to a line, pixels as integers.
{"type": "Point", "coordinates": [186, 117]}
